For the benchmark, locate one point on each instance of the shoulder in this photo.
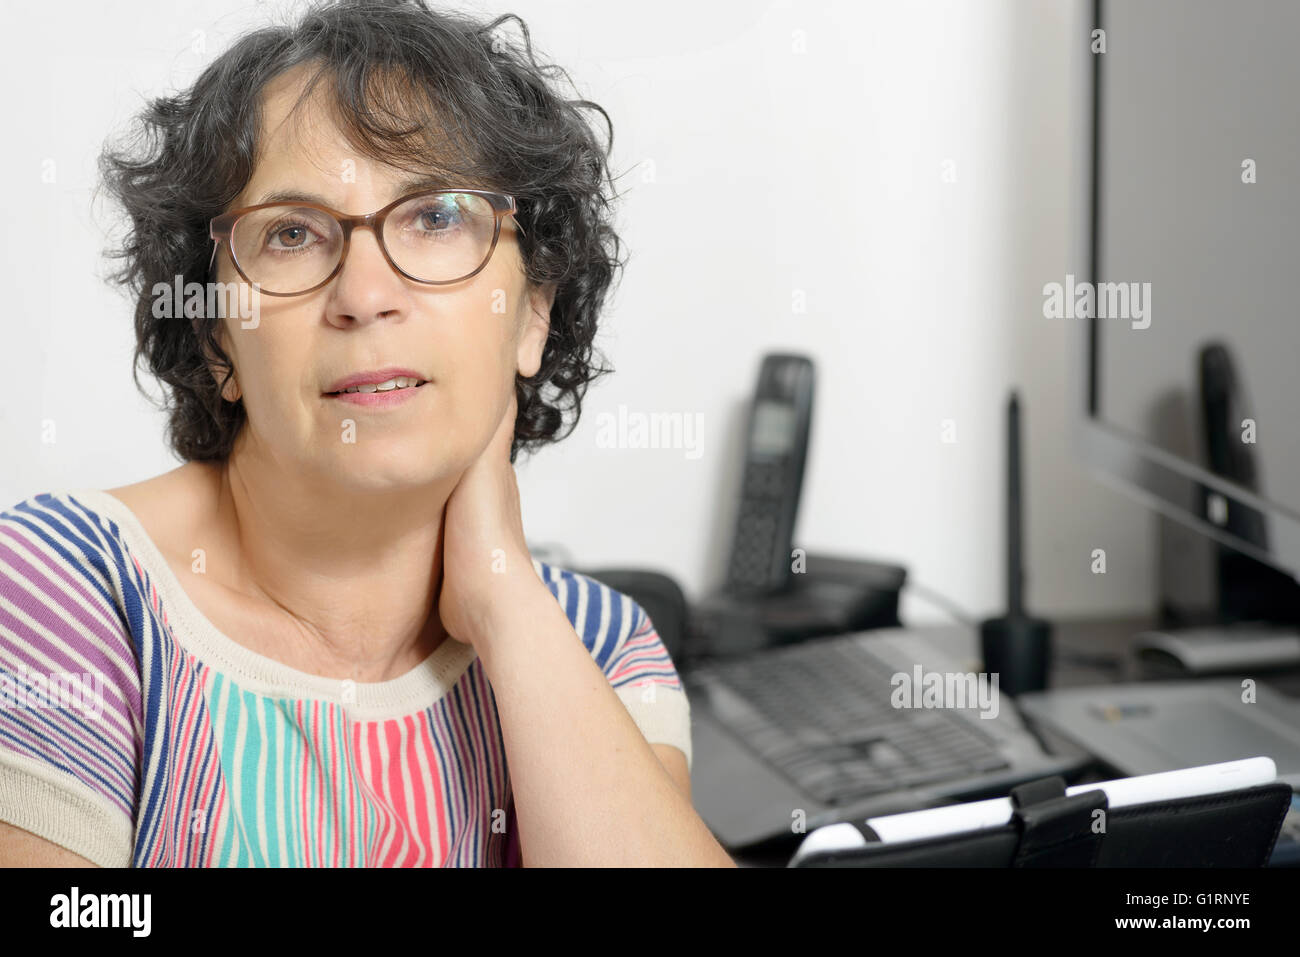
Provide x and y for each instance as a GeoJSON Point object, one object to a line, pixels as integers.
{"type": "Point", "coordinates": [67, 584]}
{"type": "Point", "coordinates": [615, 628]}
{"type": "Point", "coordinates": [69, 595]}
{"type": "Point", "coordinates": [622, 639]}
{"type": "Point", "coordinates": [70, 682]}
{"type": "Point", "coordinates": [60, 543]}
{"type": "Point", "coordinates": [603, 617]}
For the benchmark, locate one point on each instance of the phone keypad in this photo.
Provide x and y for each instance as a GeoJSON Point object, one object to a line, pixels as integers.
{"type": "Point", "coordinates": [754, 554]}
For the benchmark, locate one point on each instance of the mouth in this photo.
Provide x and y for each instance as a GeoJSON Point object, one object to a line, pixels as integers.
{"type": "Point", "coordinates": [394, 384]}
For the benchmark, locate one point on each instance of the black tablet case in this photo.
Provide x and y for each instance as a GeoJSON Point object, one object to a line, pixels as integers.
{"type": "Point", "coordinates": [1050, 829]}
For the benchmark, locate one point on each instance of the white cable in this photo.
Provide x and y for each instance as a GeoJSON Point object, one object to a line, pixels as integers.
{"type": "Point", "coordinates": [955, 611]}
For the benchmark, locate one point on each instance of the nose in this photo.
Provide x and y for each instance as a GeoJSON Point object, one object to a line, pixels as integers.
{"type": "Point", "coordinates": [367, 287]}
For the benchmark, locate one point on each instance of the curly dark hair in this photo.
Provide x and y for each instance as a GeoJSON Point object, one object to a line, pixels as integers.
{"type": "Point", "coordinates": [409, 83]}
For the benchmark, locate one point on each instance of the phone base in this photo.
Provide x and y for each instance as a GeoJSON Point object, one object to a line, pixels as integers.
{"type": "Point", "coordinates": [833, 596]}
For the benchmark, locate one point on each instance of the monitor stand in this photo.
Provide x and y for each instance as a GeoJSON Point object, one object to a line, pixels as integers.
{"type": "Point", "coordinates": [1220, 649]}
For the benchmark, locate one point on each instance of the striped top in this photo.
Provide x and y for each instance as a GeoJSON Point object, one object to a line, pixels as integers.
{"type": "Point", "coordinates": [134, 733]}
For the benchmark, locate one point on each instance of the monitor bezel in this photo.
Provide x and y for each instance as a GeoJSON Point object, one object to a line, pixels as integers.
{"type": "Point", "coordinates": [1157, 478]}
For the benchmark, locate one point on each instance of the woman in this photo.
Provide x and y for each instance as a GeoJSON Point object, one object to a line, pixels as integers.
{"type": "Point", "coordinates": [322, 640]}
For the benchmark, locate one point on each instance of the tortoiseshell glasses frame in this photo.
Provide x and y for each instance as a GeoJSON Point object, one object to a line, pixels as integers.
{"type": "Point", "coordinates": [222, 229]}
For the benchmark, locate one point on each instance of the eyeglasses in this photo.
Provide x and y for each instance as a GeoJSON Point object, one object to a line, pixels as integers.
{"type": "Point", "coordinates": [434, 237]}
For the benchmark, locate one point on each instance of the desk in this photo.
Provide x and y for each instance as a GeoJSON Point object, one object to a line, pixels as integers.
{"type": "Point", "coordinates": [1085, 652]}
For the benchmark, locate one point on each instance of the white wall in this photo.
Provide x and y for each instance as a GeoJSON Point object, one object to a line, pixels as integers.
{"type": "Point", "coordinates": [793, 150]}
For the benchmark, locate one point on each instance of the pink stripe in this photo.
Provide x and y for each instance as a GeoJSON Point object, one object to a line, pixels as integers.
{"type": "Point", "coordinates": [643, 654]}
{"type": "Point", "coordinates": [393, 791]}
{"type": "Point", "coordinates": [408, 760]}
{"type": "Point", "coordinates": [411, 819]}
{"type": "Point", "coordinates": [201, 742]}
{"type": "Point", "coordinates": [185, 788]}
{"type": "Point", "coordinates": [191, 724]}
{"type": "Point", "coordinates": [641, 663]}
{"type": "Point", "coordinates": [320, 795]}
{"type": "Point", "coordinates": [371, 837]}
{"type": "Point", "coordinates": [641, 644]}
{"type": "Point", "coordinates": [416, 811]}
{"type": "Point", "coordinates": [632, 669]}
{"type": "Point", "coordinates": [347, 826]}
{"type": "Point", "coordinates": [417, 776]}
{"type": "Point", "coordinates": [304, 817]}
{"type": "Point", "coordinates": [336, 792]}
{"type": "Point", "coordinates": [215, 780]}
{"type": "Point", "coordinates": [375, 774]}
{"type": "Point", "coordinates": [207, 781]}
{"type": "Point", "coordinates": [395, 794]}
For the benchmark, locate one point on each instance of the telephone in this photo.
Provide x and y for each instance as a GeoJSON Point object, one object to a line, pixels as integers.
{"type": "Point", "coordinates": [763, 602]}
{"type": "Point", "coordinates": [777, 448]}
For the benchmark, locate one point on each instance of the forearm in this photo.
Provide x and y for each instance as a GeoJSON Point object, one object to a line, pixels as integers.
{"type": "Point", "coordinates": [588, 789]}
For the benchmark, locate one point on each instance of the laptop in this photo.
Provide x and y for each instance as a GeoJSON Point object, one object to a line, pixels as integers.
{"type": "Point", "coordinates": [792, 738]}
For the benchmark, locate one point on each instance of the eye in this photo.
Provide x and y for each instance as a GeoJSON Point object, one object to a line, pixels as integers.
{"type": "Point", "coordinates": [289, 235]}
{"type": "Point", "coordinates": [438, 215]}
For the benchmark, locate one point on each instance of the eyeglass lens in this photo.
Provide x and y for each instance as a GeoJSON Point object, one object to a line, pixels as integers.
{"type": "Point", "coordinates": [439, 237]}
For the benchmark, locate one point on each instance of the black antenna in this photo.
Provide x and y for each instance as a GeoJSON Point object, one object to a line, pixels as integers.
{"type": "Point", "coordinates": [1016, 647]}
{"type": "Point", "coordinates": [1015, 543]}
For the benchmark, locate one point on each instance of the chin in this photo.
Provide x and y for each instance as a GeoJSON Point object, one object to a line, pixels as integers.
{"type": "Point", "coordinates": [385, 467]}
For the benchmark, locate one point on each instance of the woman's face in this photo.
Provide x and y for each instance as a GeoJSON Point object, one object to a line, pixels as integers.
{"type": "Point", "coordinates": [468, 339]}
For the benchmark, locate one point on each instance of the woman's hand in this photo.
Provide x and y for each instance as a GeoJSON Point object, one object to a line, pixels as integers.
{"type": "Point", "coordinates": [485, 559]}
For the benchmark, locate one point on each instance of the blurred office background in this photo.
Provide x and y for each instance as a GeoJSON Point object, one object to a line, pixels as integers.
{"type": "Point", "coordinates": [883, 187]}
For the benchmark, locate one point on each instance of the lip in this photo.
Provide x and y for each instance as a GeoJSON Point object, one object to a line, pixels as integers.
{"type": "Point", "coordinates": [380, 400]}
{"type": "Point", "coordinates": [373, 377]}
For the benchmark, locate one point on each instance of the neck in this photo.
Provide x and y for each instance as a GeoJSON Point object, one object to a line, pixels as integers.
{"type": "Point", "coordinates": [353, 575]}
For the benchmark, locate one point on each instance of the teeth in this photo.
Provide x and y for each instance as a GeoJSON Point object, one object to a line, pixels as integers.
{"type": "Point", "coordinates": [398, 382]}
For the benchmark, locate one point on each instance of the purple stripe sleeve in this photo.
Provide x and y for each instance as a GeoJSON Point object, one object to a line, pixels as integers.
{"type": "Point", "coordinates": [69, 684]}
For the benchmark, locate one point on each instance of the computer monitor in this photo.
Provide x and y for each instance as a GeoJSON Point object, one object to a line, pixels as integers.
{"type": "Point", "coordinates": [1189, 239]}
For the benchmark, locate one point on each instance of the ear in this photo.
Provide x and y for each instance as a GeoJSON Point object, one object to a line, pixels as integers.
{"type": "Point", "coordinates": [231, 391]}
{"type": "Point", "coordinates": [536, 329]}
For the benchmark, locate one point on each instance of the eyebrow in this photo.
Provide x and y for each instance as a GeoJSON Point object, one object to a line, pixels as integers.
{"type": "Point", "coordinates": [415, 184]}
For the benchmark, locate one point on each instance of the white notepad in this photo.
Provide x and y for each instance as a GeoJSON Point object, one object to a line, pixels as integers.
{"type": "Point", "coordinates": [978, 815]}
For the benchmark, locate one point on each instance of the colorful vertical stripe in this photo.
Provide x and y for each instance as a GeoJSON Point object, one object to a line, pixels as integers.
{"type": "Point", "coordinates": [205, 772]}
